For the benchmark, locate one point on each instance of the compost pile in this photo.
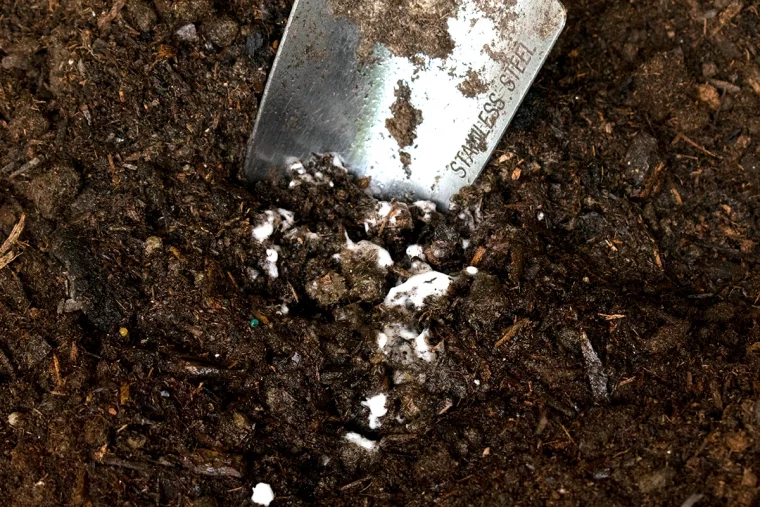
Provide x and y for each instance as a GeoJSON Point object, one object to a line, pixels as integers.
{"type": "Point", "coordinates": [580, 329]}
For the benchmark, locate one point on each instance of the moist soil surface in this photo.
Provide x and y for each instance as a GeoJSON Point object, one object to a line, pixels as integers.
{"type": "Point", "coordinates": [154, 352]}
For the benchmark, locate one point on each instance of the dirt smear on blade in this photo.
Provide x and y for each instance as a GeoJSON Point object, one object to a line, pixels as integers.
{"type": "Point", "coordinates": [405, 27]}
{"type": "Point", "coordinates": [402, 125]}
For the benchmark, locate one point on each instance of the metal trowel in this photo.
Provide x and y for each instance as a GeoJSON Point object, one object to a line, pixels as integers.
{"type": "Point", "coordinates": [412, 93]}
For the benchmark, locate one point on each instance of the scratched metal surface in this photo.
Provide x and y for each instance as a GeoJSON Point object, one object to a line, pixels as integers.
{"type": "Point", "coordinates": [321, 99]}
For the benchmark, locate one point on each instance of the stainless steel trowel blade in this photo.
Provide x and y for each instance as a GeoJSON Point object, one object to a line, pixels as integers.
{"type": "Point", "coordinates": [323, 97]}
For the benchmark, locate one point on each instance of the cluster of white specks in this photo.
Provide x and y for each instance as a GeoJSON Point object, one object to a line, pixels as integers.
{"type": "Point", "coordinates": [361, 441]}
{"type": "Point", "coordinates": [288, 218]}
{"type": "Point", "coordinates": [427, 207]}
{"type": "Point", "coordinates": [370, 250]}
{"type": "Point", "coordinates": [382, 211]}
{"type": "Point", "coordinates": [402, 339]}
{"type": "Point", "coordinates": [376, 406]}
{"type": "Point", "coordinates": [265, 228]}
{"type": "Point", "coordinates": [471, 270]}
{"type": "Point", "coordinates": [394, 331]}
{"type": "Point", "coordinates": [262, 494]}
{"type": "Point", "coordinates": [266, 223]}
{"type": "Point", "coordinates": [471, 216]}
{"type": "Point", "coordinates": [417, 288]}
{"type": "Point", "coordinates": [299, 176]}
{"type": "Point", "coordinates": [392, 215]}
{"type": "Point", "coordinates": [422, 348]}
{"type": "Point", "coordinates": [415, 252]}
{"type": "Point", "coordinates": [403, 342]}
{"type": "Point", "coordinates": [270, 220]}
{"type": "Point", "coordinates": [270, 263]}
{"type": "Point", "coordinates": [398, 339]}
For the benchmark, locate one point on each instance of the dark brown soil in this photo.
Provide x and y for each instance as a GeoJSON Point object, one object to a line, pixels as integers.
{"type": "Point", "coordinates": [402, 125]}
{"type": "Point", "coordinates": [606, 353]}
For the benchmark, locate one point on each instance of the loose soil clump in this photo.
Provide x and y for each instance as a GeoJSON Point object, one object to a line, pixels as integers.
{"type": "Point", "coordinates": [473, 85]}
{"type": "Point", "coordinates": [580, 328]}
{"type": "Point", "coordinates": [402, 125]}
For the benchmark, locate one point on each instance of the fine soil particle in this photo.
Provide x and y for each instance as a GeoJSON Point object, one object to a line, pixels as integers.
{"type": "Point", "coordinates": [500, 13]}
{"type": "Point", "coordinates": [598, 342]}
{"type": "Point", "coordinates": [406, 28]}
{"type": "Point", "coordinates": [402, 125]}
{"type": "Point", "coordinates": [473, 85]}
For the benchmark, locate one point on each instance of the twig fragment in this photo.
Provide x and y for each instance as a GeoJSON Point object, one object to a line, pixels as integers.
{"type": "Point", "coordinates": [6, 254]}
{"type": "Point", "coordinates": [512, 331]}
{"type": "Point", "coordinates": [29, 165]}
{"type": "Point", "coordinates": [682, 137]}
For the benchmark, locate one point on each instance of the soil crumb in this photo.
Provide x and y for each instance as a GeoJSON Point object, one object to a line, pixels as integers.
{"type": "Point", "coordinates": [403, 124]}
{"type": "Point", "coordinates": [406, 27]}
{"type": "Point", "coordinates": [472, 86]}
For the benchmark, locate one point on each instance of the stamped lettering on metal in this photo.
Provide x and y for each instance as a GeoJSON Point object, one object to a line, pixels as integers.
{"type": "Point", "coordinates": [322, 97]}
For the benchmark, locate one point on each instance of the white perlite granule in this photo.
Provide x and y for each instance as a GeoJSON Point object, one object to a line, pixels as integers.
{"type": "Point", "coordinates": [376, 406]}
{"type": "Point", "coordinates": [262, 494]}
{"type": "Point", "coordinates": [363, 442]}
{"type": "Point", "coordinates": [417, 288]}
